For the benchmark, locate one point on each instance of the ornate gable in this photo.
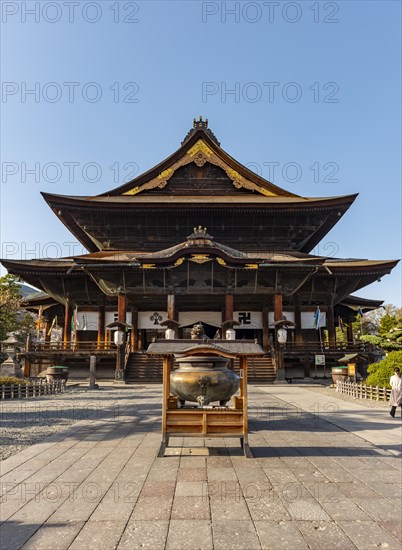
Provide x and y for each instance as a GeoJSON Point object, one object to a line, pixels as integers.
{"type": "Point", "coordinates": [201, 154]}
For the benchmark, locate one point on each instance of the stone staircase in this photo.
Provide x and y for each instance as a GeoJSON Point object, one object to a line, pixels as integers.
{"type": "Point", "coordinates": [142, 368]}
{"type": "Point", "coordinates": [261, 370]}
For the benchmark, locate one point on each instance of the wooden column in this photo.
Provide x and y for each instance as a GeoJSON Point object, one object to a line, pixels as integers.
{"type": "Point", "coordinates": [331, 326]}
{"type": "Point", "coordinates": [298, 329]}
{"type": "Point", "coordinates": [121, 307]}
{"type": "Point", "coordinates": [48, 324]}
{"type": "Point", "coordinates": [101, 325]}
{"type": "Point", "coordinates": [171, 307]}
{"type": "Point", "coordinates": [134, 329]}
{"type": "Point", "coordinates": [27, 362]}
{"type": "Point", "coordinates": [278, 307]}
{"type": "Point", "coordinates": [67, 324]}
{"type": "Point", "coordinates": [165, 398]}
{"type": "Point", "coordinates": [228, 307]}
{"type": "Point", "coordinates": [265, 329]}
{"type": "Point", "coordinates": [306, 366]}
{"type": "Point", "coordinates": [278, 313]}
{"type": "Point", "coordinates": [349, 331]}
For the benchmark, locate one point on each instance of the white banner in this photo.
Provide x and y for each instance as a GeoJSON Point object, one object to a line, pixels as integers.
{"type": "Point", "coordinates": [290, 316]}
{"type": "Point", "coordinates": [213, 318]}
{"type": "Point", "coordinates": [111, 316]}
{"type": "Point", "coordinates": [151, 319]}
{"type": "Point", "coordinates": [87, 320]}
{"type": "Point", "coordinates": [248, 319]}
{"type": "Point", "coordinates": [307, 319]}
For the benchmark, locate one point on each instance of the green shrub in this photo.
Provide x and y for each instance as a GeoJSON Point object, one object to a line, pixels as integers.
{"type": "Point", "coordinates": [380, 373]}
{"type": "Point", "coordinates": [12, 380]}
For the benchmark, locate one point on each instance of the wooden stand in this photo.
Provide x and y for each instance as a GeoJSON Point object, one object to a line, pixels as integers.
{"type": "Point", "coordinates": [205, 422]}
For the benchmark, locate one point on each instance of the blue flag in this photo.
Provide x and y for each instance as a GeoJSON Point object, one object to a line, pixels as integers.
{"type": "Point", "coordinates": [317, 318]}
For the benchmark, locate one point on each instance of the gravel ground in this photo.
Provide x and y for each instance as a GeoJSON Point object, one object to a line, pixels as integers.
{"type": "Point", "coordinates": [28, 421]}
{"type": "Point", "coordinates": [328, 390]}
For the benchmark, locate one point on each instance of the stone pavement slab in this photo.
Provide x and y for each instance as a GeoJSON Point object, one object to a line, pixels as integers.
{"type": "Point", "coordinates": [371, 424]}
{"type": "Point", "coordinates": [312, 484]}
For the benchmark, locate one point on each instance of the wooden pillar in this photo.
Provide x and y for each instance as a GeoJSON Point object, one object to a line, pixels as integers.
{"type": "Point", "coordinates": [306, 366]}
{"type": "Point", "coordinates": [278, 314]}
{"type": "Point", "coordinates": [331, 327]}
{"type": "Point", "coordinates": [48, 324]}
{"type": "Point", "coordinates": [298, 328]}
{"type": "Point", "coordinates": [228, 307]}
{"type": "Point", "coordinates": [67, 324]}
{"type": "Point", "coordinates": [278, 307]}
{"type": "Point", "coordinates": [134, 329]}
{"type": "Point", "coordinates": [265, 329]}
{"type": "Point", "coordinates": [349, 331]}
{"type": "Point", "coordinates": [171, 307]}
{"type": "Point", "coordinates": [121, 307]}
{"type": "Point", "coordinates": [27, 362]}
{"type": "Point", "coordinates": [165, 399]}
{"type": "Point", "coordinates": [101, 325]}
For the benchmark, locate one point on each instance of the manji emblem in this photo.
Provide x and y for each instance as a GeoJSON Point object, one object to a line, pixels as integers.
{"type": "Point", "coordinates": [245, 317]}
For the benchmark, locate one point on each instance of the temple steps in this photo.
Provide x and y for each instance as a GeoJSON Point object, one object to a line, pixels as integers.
{"type": "Point", "coordinates": [142, 368]}
{"type": "Point", "coordinates": [261, 370]}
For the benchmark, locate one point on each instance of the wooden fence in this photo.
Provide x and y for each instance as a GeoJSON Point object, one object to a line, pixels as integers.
{"type": "Point", "coordinates": [362, 391]}
{"type": "Point", "coordinates": [36, 388]}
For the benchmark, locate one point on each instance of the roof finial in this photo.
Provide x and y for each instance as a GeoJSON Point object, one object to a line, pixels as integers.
{"type": "Point", "coordinates": [200, 123]}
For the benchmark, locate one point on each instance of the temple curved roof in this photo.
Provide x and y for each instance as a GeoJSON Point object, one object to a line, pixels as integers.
{"type": "Point", "coordinates": [198, 179]}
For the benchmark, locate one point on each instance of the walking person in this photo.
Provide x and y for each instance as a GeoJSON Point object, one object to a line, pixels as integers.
{"type": "Point", "coordinates": [396, 392]}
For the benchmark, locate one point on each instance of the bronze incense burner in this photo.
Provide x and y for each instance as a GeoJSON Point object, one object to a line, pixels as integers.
{"type": "Point", "coordinates": [203, 380]}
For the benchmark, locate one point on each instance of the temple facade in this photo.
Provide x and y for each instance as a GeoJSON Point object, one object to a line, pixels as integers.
{"type": "Point", "coordinates": [198, 238]}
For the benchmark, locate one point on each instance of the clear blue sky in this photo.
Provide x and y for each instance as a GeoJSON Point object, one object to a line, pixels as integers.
{"type": "Point", "coordinates": [315, 84]}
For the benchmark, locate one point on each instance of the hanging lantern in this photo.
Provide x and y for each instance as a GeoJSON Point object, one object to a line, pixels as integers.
{"type": "Point", "coordinates": [230, 334]}
{"type": "Point", "coordinates": [118, 337]}
{"type": "Point", "coordinates": [282, 335]}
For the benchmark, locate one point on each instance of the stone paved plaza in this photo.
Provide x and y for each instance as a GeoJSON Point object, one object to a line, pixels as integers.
{"type": "Point", "coordinates": [326, 475]}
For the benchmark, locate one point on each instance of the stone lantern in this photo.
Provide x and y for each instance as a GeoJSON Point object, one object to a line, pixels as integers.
{"type": "Point", "coordinates": [11, 366]}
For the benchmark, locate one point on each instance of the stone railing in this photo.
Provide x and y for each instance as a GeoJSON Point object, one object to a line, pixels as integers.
{"type": "Point", "coordinates": [362, 391]}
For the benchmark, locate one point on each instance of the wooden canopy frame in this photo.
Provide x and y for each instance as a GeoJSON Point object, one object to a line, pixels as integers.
{"type": "Point", "coordinates": [205, 422]}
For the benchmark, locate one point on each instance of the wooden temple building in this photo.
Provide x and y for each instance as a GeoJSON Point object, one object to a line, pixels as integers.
{"type": "Point", "coordinates": [197, 238]}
